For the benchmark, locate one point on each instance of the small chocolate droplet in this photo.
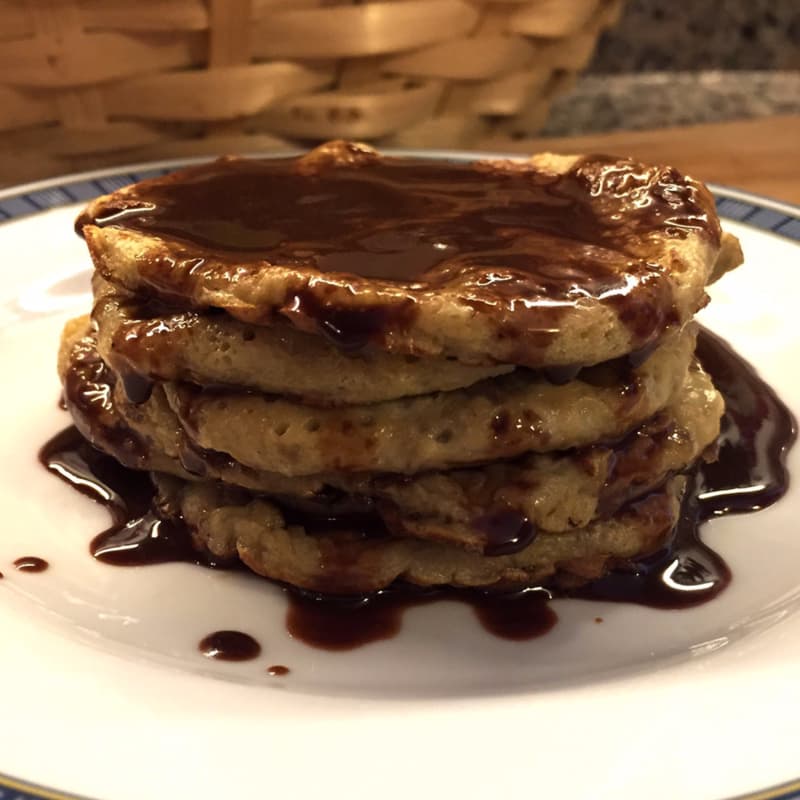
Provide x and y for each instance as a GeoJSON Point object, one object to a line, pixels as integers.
{"type": "Point", "coordinates": [31, 564]}
{"type": "Point", "coordinates": [230, 646]}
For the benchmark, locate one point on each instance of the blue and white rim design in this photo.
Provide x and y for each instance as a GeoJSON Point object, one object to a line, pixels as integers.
{"type": "Point", "coordinates": [781, 219]}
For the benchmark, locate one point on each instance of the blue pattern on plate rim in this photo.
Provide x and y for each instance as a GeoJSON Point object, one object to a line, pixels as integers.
{"type": "Point", "coordinates": [776, 217]}
{"type": "Point", "coordinates": [12, 789]}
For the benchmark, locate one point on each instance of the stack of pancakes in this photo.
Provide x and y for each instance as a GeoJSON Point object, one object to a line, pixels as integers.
{"type": "Point", "coordinates": [347, 369]}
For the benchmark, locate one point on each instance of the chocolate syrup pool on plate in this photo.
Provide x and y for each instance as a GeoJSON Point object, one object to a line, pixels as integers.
{"type": "Point", "coordinates": [750, 474]}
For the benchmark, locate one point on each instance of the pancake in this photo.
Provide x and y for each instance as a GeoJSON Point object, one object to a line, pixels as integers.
{"type": "Point", "coordinates": [149, 437]}
{"type": "Point", "coordinates": [353, 555]}
{"type": "Point", "coordinates": [555, 261]}
{"type": "Point", "coordinates": [279, 359]}
{"type": "Point", "coordinates": [491, 508]}
{"type": "Point", "coordinates": [487, 508]}
{"type": "Point", "coordinates": [499, 418]}
{"type": "Point", "coordinates": [346, 369]}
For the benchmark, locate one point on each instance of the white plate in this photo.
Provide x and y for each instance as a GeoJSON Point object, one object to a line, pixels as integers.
{"type": "Point", "coordinates": [105, 695]}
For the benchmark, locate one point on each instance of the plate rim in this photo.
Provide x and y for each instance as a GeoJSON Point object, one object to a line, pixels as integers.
{"type": "Point", "coordinates": [734, 204]}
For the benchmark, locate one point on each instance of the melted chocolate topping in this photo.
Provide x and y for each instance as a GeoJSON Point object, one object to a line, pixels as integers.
{"type": "Point", "coordinates": [521, 243]}
{"type": "Point", "coordinates": [750, 474]}
{"type": "Point", "coordinates": [414, 220]}
{"type": "Point", "coordinates": [344, 623]}
{"type": "Point", "coordinates": [230, 646]}
{"type": "Point", "coordinates": [507, 530]}
{"type": "Point", "coordinates": [278, 670]}
{"type": "Point", "coordinates": [31, 564]}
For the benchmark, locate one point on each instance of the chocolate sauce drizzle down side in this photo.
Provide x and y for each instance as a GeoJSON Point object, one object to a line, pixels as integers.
{"type": "Point", "coordinates": [750, 474]}
{"type": "Point", "coordinates": [138, 536]}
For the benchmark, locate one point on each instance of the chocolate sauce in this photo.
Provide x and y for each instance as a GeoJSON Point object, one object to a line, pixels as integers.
{"type": "Point", "coordinates": [344, 623]}
{"type": "Point", "coordinates": [750, 474]}
{"type": "Point", "coordinates": [137, 536]}
{"type": "Point", "coordinates": [147, 539]}
{"type": "Point", "coordinates": [138, 388]}
{"type": "Point", "coordinates": [406, 219]}
{"type": "Point", "coordinates": [229, 646]}
{"type": "Point", "coordinates": [350, 328]}
{"type": "Point", "coordinates": [496, 232]}
{"type": "Point", "coordinates": [278, 670]}
{"type": "Point", "coordinates": [507, 530]}
{"type": "Point", "coordinates": [31, 564]}
{"type": "Point", "coordinates": [757, 432]}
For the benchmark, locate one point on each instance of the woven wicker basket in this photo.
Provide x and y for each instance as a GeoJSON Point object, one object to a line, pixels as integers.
{"type": "Point", "coordinates": [85, 83]}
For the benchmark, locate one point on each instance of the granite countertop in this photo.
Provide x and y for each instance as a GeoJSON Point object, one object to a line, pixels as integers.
{"type": "Point", "coordinates": [599, 103]}
{"type": "Point", "coordinates": [667, 64]}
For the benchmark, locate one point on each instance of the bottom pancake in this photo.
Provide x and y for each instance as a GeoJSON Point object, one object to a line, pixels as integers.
{"type": "Point", "coordinates": [355, 553]}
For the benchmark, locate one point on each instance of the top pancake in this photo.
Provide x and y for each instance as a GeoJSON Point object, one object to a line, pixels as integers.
{"type": "Point", "coordinates": [558, 260]}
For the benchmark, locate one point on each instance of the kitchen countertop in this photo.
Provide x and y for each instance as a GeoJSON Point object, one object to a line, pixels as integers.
{"type": "Point", "coordinates": [758, 155]}
{"type": "Point", "coordinates": [599, 103]}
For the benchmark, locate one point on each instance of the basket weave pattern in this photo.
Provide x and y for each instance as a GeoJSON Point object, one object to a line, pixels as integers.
{"type": "Point", "coordinates": [85, 83]}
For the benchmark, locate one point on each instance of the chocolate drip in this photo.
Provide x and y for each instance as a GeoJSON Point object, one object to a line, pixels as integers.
{"type": "Point", "coordinates": [751, 474]}
{"type": "Point", "coordinates": [230, 646]}
{"type": "Point", "coordinates": [148, 539]}
{"type": "Point", "coordinates": [350, 328]}
{"type": "Point", "coordinates": [138, 388]}
{"type": "Point", "coordinates": [278, 670]}
{"type": "Point", "coordinates": [507, 530]}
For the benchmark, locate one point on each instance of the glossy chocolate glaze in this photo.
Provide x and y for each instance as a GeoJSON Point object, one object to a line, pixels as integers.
{"type": "Point", "coordinates": [278, 670]}
{"type": "Point", "coordinates": [415, 220]}
{"type": "Point", "coordinates": [344, 623]}
{"type": "Point", "coordinates": [507, 530]}
{"type": "Point", "coordinates": [229, 646]}
{"type": "Point", "coordinates": [520, 243]}
{"type": "Point", "coordinates": [31, 564]}
{"type": "Point", "coordinates": [751, 474]}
